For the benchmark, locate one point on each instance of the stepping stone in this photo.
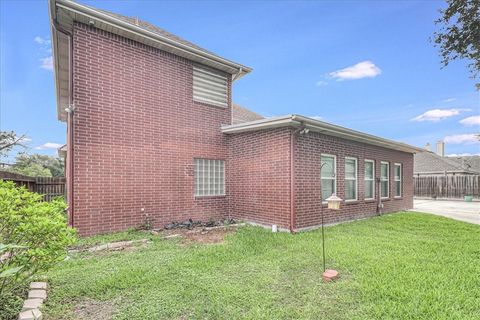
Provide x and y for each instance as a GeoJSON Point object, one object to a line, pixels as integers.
{"type": "Point", "coordinates": [330, 275]}
{"type": "Point", "coordinates": [37, 294]}
{"type": "Point", "coordinates": [30, 304]}
{"type": "Point", "coordinates": [38, 285]}
{"type": "Point", "coordinates": [34, 314]}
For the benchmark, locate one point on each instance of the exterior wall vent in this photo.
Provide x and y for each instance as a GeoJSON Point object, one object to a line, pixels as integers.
{"type": "Point", "coordinates": [209, 87]}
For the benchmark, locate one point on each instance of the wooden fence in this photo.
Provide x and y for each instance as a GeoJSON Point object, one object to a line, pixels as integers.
{"type": "Point", "coordinates": [49, 187]}
{"type": "Point", "coordinates": [447, 187]}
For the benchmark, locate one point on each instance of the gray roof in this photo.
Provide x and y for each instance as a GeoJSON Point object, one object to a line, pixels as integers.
{"type": "Point", "coordinates": [241, 114]}
{"type": "Point", "coordinates": [429, 162]}
{"type": "Point", "coordinates": [468, 162]}
{"type": "Point", "coordinates": [152, 28]}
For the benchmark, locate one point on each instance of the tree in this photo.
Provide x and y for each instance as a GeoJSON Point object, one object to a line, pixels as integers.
{"type": "Point", "coordinates": [38, 165]}
{"type": "Point", "coordinates": [459, 35]}
{"type": "Point", "coordinates": [8, 140]}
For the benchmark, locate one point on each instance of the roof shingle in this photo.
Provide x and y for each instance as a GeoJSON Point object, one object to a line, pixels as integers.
{"type": "Point", "coordinates": [241, 114]}
{"type": "Point", "coordinates": [425, 162]}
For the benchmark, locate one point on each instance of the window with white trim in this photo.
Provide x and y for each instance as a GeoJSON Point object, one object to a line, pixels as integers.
{"type": "Point", "coordinates": [210, 87]}
{"type": "Point", "coordinates": [209, 177]}
{"type": "Point", "coordinates": [350, 179]}
{"type": "Point", "coordinates": [369, 179]}
{"type": "Point", "coordinates": [328, 175]}
{"type": "Point", "coordinates": [384, 179]}
{"type": "Point", "coordinates": [398, 180]}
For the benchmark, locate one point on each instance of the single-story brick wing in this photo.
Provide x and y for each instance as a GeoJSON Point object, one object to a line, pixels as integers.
{"type": "Point", "coordinates": [152, 133]}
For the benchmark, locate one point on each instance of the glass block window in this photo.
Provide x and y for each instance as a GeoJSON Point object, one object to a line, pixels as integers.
{"type": "Point", "coordinates": [350, 178]}
{"type": "Point", "coordinates": [209, 177]}
{"type": "Point", "coordinates": [398, 180]}
{"type": "Point", "coordinates": [369, 179]}
{"type": "Point", "coordinates": [328, 175]}
{"type": "Point", "coordinates": [384, 179]}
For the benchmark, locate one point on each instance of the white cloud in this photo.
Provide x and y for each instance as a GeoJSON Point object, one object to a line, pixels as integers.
{"type": "Point", "coordinates": [321, 83]}
{"type": "Point", "coordinates": [471, 121]}
{"type": "Point", "coordinates": [449, 100]}
{"type": "Point", "coordinates": [436, 115]}
{"type": "Point", "coordinates": [468, 138]}
{"type": "Point", "coordinates": [364, 69]}
{"type": "Point", "coordinates": [47, 63]}
{"type": "Point", "coordinates": [44, 45]}
{"type": "Point", "coordinates": [49, 145]}
{"type": "Point", "coordinates": [462, 154]}
{"type": "Point", "coordinates": [41, 41]}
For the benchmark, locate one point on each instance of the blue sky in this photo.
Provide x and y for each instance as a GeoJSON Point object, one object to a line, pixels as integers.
{"type": "Point", "coordinates": [366, 65]}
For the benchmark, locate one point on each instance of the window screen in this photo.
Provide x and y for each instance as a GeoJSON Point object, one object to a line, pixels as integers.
{"type": "Point", "coordinates": [369, 179]}
{"type": "Point", "coordinates": [328, 176]}
{"type": "Point", "coordinates": [350, 179]}
{"type": "Point", "coordinates": [384, 179]}
{"type": "Point", "coordinates": [398, 180]}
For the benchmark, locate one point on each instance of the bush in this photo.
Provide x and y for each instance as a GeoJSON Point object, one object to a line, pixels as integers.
{"type": "Point", "coordinates": [33, 236]}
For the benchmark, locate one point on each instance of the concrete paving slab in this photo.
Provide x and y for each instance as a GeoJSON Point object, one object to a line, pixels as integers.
{"type": "Point", "coordinates": [458, 210]}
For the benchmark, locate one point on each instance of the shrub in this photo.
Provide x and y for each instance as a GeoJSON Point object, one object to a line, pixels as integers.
{"type": "Point", "coordinates": [33, 236]}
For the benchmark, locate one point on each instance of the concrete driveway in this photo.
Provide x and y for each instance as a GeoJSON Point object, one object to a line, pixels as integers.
{"type": "Point", "coordinates": [458, 210]}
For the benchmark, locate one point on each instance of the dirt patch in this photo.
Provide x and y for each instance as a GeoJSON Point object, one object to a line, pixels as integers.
{"type": "Point", "coordinates": [213, 235]}
{"type": "Point", "coordinates": [207, 236]}
{"type": "Point", "coordinates": [90, 309]}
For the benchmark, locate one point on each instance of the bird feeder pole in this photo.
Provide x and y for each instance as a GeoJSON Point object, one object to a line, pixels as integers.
{"type": "Point", "coordinates": [334, 204]}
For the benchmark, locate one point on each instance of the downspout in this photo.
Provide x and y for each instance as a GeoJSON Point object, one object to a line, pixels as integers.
{"type": "Point", "coordinates": [234, 76]}
{"type": "Point", "coordinates": [70, 109]}
{"type": "Point", "coordinates": [70, 125]}
{"type": "Point", "coordinates": [292, 178]}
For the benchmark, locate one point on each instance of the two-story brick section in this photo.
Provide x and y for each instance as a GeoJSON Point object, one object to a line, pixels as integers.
{"type": "Point", "coordinates": [152, 133]}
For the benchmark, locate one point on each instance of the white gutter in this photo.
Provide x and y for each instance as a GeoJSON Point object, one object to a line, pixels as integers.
{"type": "Point", "coordinates": [294, 120]}
{"type": "Point", "coordinates": [105, 18]}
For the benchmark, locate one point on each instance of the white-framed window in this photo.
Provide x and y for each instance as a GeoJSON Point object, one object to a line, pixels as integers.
{"type": "Point", "coordinates": [210, 86]}
{"type": "Point", "coordinates": [350, 179]}
{"type": "Point", "coordinates": [369, 179]}
{"type": "Point", "coordinates": [384, 179]}
{"type": "Point", "coordinates": [328, 175]}
{"type": "Point", "coordinates": [209, 177]}
{"type": "Point", "coordinates": [398, 180]}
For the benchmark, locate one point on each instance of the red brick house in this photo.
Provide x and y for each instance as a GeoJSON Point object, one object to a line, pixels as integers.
{"type": "Point", "coordinates": [152, 131]}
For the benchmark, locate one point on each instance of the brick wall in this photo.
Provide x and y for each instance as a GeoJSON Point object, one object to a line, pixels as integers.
{"type": "Point", "coordinates": [260, 176]}
{"type": "Point", "coordinates": [136, 133]}
{"type": "Point", "coordinates": [308, 149]}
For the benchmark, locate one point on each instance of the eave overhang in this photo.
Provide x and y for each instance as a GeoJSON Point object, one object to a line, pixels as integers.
{"type": "Point", "coordinates": [314, 125]}
{"type": "Point", "coordinates": [64, 12]}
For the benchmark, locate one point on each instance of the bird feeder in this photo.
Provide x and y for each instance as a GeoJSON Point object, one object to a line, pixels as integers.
{"type": "Point", "coordinates": [334, 202]}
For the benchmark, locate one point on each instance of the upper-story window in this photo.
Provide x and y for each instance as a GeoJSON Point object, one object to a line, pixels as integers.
{"type": "Point", "coordinates": [350, 179]}
{"type": "Point", "coordinates": [210, 87]}
{"type": "Point", "coordinates": [384, 179]}
{"type": "Point", "coordinates": [328, 175]}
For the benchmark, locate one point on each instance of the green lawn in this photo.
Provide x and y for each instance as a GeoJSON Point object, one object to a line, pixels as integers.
{"type": "Point", "coordinates": [398, 266]}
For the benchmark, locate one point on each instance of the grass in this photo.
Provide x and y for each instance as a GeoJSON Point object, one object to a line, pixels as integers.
{"type": "Point", "coordinates": [398, 266]}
